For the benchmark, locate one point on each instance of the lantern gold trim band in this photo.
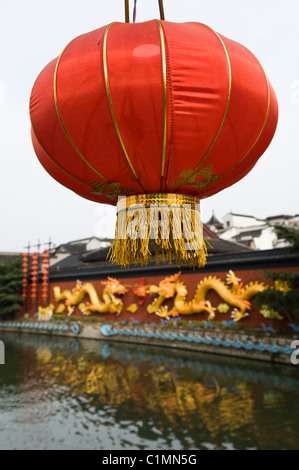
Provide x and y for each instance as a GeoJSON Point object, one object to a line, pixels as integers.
{"type": "Point", "coordinates": [167, 224]}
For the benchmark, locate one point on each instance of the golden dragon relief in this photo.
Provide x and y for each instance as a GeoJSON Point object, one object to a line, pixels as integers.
{"type": "Point", "coordinates": [111, 302]}
{"type": "Point", "coordinates": [232, 292]}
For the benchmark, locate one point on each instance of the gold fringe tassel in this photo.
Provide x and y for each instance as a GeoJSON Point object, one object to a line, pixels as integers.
{"type": "Point", "coordinates": [171, 221]}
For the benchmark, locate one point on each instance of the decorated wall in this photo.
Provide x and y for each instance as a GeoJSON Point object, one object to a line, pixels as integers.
{"type": "Point", "coordinates": [223, 296]}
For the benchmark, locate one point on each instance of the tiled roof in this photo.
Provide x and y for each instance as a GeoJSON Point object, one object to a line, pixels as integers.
{"type": "Point", "coordinates": [214, 221]}
{"type": "Point", "coordinates": [99, 257]}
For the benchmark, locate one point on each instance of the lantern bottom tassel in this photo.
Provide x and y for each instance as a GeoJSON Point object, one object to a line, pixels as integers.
{"type": "Point", "coordinates": [167, 226]}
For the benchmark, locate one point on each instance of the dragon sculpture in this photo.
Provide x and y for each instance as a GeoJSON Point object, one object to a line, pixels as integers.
{"type": "Point", "coordinates": [111, 302]}
{"type": "Point", "coordinates": [232, 292]}
{"type": "Point", "coordinates": [45, 313]}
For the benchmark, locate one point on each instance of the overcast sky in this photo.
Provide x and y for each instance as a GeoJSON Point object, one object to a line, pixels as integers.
{"type": "Point", "coordinates": [33, 32]}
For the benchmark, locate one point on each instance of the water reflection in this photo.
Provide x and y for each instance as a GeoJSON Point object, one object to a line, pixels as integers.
{"type": "Point", "coordinates": [70, 394]}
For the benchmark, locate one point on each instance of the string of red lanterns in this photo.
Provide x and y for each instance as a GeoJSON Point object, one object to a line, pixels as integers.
{"type": "Point", "coordinates": [45, 275]}
{"type": "Point", "coordinates": [25, 275]}
{"type": "Point", "coordinates": [34, 274]}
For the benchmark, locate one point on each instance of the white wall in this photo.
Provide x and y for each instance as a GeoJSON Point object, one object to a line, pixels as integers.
{"type": "Point", "coordinates": [240, 221]}
{"type": "Point", "coordinates": [95, 244]}
{"type": "Point", "coordinates": [266, 240]}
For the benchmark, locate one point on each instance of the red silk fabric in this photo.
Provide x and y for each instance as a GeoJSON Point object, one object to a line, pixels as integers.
{"type": "Point", "coordinates": [107, 126]}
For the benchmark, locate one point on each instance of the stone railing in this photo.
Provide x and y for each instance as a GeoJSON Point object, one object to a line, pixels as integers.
{"type": "Point", "coordinates": [41, 326]}
{"type": "Point", "coordinates": [241, 344]}
{"type": "Point", "coordinates": [250, 345]}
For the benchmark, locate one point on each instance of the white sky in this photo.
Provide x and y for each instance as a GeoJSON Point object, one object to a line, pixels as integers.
{"type": "Point", "coordinates": [33, 32]}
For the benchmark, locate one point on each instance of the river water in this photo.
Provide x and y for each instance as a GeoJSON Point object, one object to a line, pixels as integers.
{"type": "Point", "coordinates": [62, 393]}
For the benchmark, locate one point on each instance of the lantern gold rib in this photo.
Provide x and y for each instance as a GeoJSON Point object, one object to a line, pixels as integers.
{"type": "Point", "coordinates": [62, 123]}
{"type": "Point", "coordinates": [56, 164]}
{"type": "Point", "coordinates": [228, 97]}
{"type": "Point", "coordinates": [163, 55]}
{"type": "Point", "coordinates": [259, 134]}
{"type": "Point", "coordinates": [227, 102]}
{"type": "Point", "coordinates": [105, 66]}
{"type": "Point", "coordinates": [256, 140]}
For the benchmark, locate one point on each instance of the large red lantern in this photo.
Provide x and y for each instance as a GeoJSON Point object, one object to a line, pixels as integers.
{"type": "Point", "coordinates": [163, 113]}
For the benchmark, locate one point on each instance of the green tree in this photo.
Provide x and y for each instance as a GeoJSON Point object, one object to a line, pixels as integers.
{"type": "Point", "coordinates": [10, 286]}
{"type": "Point", "coordinates": [283, 299]}
{"type": "Point", "coordinates": [289, 235]}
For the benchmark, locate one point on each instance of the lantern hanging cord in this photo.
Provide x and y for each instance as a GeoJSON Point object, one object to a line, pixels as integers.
{"type": "Point", "coordinates": [134, 11]}
{"type": "Point", "coordinates": [127, 15]}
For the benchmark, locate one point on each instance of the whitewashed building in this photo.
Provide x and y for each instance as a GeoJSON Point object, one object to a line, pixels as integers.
{"type": "Point", "coordinates": [248, 230]}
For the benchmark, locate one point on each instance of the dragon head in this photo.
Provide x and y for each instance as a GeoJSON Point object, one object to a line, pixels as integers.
{"type": "Point", "coordinates": [168, 285]}
{"type": "Point", "coordinates": [115, 290]}
{"type": "Point", "coordinates": [114, 286]}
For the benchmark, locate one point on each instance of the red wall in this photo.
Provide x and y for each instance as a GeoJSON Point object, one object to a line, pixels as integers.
{"type": "Point", "coordinates": [191, 280]}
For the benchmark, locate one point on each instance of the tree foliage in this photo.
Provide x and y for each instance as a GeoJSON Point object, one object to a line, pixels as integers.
{"type": "Point", "coordinates": [289, 235]}
{"type": "Point", "coordinates": [285, 303]}
{"type": "Point", "coordinates": [283, 298]}
{"type": "Point", "coordinates": [10, 286]}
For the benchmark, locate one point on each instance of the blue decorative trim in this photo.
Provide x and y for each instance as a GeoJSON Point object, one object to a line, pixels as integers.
{"type": "Point", "coordinates": [109, 330]}
{"type": "Point", "coordinates": [74, 327]}
{"type": "Point", "coordinates": [196, 338]}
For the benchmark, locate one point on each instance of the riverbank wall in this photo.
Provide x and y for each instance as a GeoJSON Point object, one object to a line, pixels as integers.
{"type": "Point", "coordinates": [223, 283]}
{"type": "Point", "coordinates": [253, 345]}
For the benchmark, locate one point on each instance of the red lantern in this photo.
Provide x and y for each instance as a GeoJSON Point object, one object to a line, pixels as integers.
{"type": "Point", "coordinates": [25, 271]}
{"type": "Point", "coordinates": [163, 113]}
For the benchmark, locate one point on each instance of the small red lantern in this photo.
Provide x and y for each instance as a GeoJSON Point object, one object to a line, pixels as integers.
{"type": "Point", "coordinates": [163, 113]}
